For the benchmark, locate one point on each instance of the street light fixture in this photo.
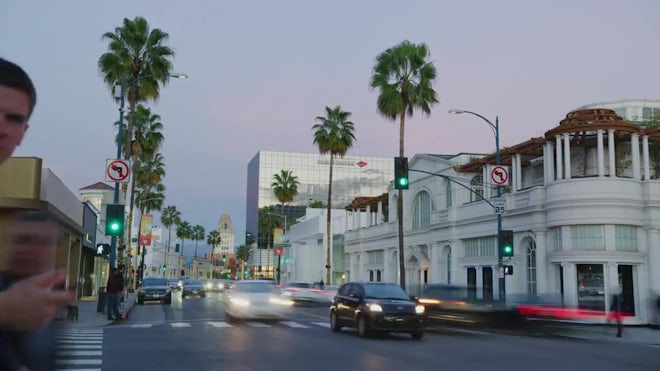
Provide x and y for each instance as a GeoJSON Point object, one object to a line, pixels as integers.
{"type": "Point", "coordinates": [122, 94]}
{"type": "Point", "coordinates": [496, 131]}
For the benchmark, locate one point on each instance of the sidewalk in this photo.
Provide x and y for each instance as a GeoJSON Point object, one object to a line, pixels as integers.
{"type": "Point", "coordinates": [88, 317]}
{"type": "Point", "coordinates": [630, 334]}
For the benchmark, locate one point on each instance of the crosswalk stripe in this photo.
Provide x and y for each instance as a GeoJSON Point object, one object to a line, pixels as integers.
{"type": "Point", "coordinates": [293, 324]}
{"type": "Point", "coordinates": [257, 324]}
{"type": "Point", "coordinates": [180, 324]}
{"type": "Point", "coordinates": [78, 369]}
{"type": "Point", "coordinates": [79, 346]}
{"type": "Point", "coordinates": [78, 361]}
{"type": "Point", "coordinates": [220, 324]}
{"type": "Point", "coordinates": [80, 353]}
{"type": "Point", "coordinates": [142, 325]}
{"type": "Point", "coordinates": [322, 324]}
{"type": "Point", "coordinates": [80, 341]}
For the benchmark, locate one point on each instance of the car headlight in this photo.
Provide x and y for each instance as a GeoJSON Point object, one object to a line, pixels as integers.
{"type": "Point", "coordinates": [240, 302]}
{"type": "Point", "coordinates": [209, 286]}
{"type": "Point", "coordinates": [419, 309]}
{"type": "Point", "coordinates": [375, 307]}
{"type": "Point", "coordinates": [280, 301]}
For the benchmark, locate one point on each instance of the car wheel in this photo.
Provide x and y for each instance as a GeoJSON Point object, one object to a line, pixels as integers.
{"type": "Point", "coordinates": [417, 335]}
{"type": "Point", "coordinates": [363, 327]}
{"type": "Point", "coordinates": [334, 322]}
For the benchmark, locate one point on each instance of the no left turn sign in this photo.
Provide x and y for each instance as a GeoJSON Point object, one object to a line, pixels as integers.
{"type": "Point", "coordinates": [499, 175]}
{"type": "Point", "coordinates": [117, 170]}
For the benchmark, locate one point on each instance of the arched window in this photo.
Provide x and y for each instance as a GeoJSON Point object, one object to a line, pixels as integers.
{"type": "Point", "coordinates": [530, 258]}
{"type": "Point", "coordinates": [422, 210]}
{"type": "Point", "coordinates": [448, 193]}
{"type": "Point", "coordinates": [447, 254]}
{"type": "Point", "coordinates": [371, 276]}
{"type": "Point", "coordinates": [477, 186]}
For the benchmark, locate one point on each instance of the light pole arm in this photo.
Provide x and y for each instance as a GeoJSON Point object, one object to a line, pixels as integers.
{"type": "Point", "coordinates": [493, 127]}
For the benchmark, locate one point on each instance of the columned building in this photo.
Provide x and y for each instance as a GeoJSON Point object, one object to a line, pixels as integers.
{"type": "Point", "coordinates": [583, 202]}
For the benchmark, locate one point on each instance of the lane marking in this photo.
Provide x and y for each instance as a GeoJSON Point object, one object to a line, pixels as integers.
{"type": "Point", "coordinates": [180, 324]}
{"type": "Point", "coordinates": [257, 324]}
{"type": "Point", "coordinates": [80, 341]}
{"type": "Point", "coordinates": [79, 346]}
{"type": "Point", "coordinates": [80, 353]}
{"type": "Point", "coordinates": [293, 324]}
{"type": "Point", "coordinates": [220, 324]}
{"type": "Point", "coordinates": [322, 324]}
{"type": "Point", "coordinates": [142, 325]}
{"type": "Point", "coordinates": [78, 361]}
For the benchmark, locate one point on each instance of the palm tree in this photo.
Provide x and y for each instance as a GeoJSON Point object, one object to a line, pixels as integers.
{"type": "Point", "coordinates": [268, 220]}
{"type": "Point", "coordinates": [134, 51]}
{"type": "Point", "coordinates": [285, 186]}
{"type": "Point", "coordinates": [316, 204]}
{"type": "Point", "coordinates": [242, 254]}
{"type": "Point", "coordinates": [403, 76]}
{"type": "Point", "coordinates": [198, 233]}
{"type": "Point", "coordinates": [183, 231]}
{"type": "Point", "coordinates": [334, 135]}
{"type": "Point", "coordinates": [213, 239]}
{"type": "Point", "coordinates": [170, 216]}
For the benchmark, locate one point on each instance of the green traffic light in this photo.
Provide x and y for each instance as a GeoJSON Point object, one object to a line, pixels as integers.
{"type": "Point", "coordinates": [403, 181]}
{"type": "Point", "coordinates": [114, 226]}
{"type": "Point", "coordinates": [508, 249]}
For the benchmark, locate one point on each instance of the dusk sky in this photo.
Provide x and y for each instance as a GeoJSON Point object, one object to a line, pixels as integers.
{"type": "Point", "coordinates": [260, 72]}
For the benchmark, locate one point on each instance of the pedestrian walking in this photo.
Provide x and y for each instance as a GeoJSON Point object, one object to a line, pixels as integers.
{"type": "Point", "coordinates": [615, 313]}
{"type": "Point", "coordinates": [114, 290]}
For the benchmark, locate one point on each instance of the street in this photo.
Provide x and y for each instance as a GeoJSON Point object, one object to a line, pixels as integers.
{"type": "Point", "coordinates": [193, 335]}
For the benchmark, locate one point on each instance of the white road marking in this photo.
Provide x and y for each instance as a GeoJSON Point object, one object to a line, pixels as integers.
{"type": "Point", "coordinates": [142, 325]}
{"type": "Point", "coordinates": [180, 324]}
{"type": "Point", "coordinates": [79, 369]}
{"type": "Point", "coordinates": [80, 353]}
{"type": "Point", "coordinates": [80, 341]}
{"type": "Point", "coordinates": [220, 324]}
{"type": "Point", "coordinates": [322, 324]}
{"type": "Point", "coordinates": [78, 361]}
{"type": "Point", "coordinates": [80, 346]}
{"type": "Point", "coordinates": [293, 324]}
{"type": "Point", "coordinates": [257, 324]}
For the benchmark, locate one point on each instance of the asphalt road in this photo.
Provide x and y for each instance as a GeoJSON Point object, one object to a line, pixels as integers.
{"type": "Point", "coordinates": [193, 335]}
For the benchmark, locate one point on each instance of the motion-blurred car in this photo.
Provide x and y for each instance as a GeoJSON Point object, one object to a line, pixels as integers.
{"type": "Point", "coordinates": [256, 300]}
{"type": "Point", "coordinates": [173, 284]}
{"type": "Point", "coordinates": [452, 304]}
{"type": "Point", "coordinates": [329, 293]}
{"type": "Point", "coordinates": [154, 289]}
{"type": "Point", "coordinates": [301, 292]}
{"type": "Point", "coordinates": [214, 285]}
{"type": "Point", "coordinates": [373, 306]}
{"type": "Point", "coordinates": [193, 288]}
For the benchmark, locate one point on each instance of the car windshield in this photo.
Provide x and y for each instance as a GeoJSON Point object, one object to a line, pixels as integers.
{"type": "Point", "coordinates": [154, 282]}
{"type": "Point", "coordinates": [384, 292]}
{"type": "Point", "coordinates": [254, 287]}
{"type": "Point", "coordinates": [193, 282]}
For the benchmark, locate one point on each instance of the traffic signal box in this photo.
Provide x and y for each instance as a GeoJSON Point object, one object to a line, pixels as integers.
{"type": "Point", "coordinates": [401, 173]}
{"type": "Point", "coordinates": [114, 220]}
{"type": "Point", "coordinates": [505, 246]}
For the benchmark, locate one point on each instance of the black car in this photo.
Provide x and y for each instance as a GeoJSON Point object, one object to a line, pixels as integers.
{"type": "Point", "coordinates": [373, 306]}
{"type": "Point", "coordinates": [154, 289]}
{"type": "Point", "coordinates": [193, 288]}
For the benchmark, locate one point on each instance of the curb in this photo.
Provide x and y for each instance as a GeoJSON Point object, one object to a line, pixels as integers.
{"type": "Point", "coordinates": [125, 314]}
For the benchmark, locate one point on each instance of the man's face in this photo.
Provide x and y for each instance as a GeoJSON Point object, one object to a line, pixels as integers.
{"type": "Point", "coordinates": [14, 113]}
{"type": "Point", "coordinates": [34, 248]}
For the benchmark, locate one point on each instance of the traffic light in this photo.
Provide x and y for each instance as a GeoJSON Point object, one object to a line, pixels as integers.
{"type": "Point", "coordinates": [506, 244]}
{"type": "Point", "coordinates": [102, 249]}
{"type": "Point", "coordinates": [164, 268]}
{"type": "Point", "coordinates": [401, 173]}
{"type": "Point", "coordinates": [114, 220]}
{"type": "Point", "coordinates": [224, 259]}
{"type": "Point", "coordinates": [176, 249]}
{"type": "Point", "coordinates": [508, 270]}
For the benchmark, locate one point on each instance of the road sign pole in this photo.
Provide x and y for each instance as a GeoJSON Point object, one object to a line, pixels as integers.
{"type": "Point", "coordinates": [279, 259]}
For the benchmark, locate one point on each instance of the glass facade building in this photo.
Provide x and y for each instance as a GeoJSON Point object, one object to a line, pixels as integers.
{"type": "Point", "coordinates": [353, 176]}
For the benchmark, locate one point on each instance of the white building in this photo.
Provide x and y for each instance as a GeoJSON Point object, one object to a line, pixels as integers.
{"type": "Point", "coordinates": [583, 202]}
{"type": "Point", "coordinates": [639, 111]}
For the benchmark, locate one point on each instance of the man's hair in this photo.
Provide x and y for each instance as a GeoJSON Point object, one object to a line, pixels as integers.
{"type": "Point", "coordinates": [13, 76]}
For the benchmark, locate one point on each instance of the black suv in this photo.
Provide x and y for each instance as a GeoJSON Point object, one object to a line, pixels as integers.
{"type": "Point", "coordinates": [372, 306]}
{"type": "Point", "coordinates": [154, 289]}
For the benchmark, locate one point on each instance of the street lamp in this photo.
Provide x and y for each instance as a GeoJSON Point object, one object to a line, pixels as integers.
{"type": "Point", "coordinates": [496, 131]}
{"type": "Point", "coordinates": [122, 94]}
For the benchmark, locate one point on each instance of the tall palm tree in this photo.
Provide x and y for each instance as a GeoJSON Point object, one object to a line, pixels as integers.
{"type": "Point", "coordinates": [169, 216]}
{"type": "Point", "coordinates": [198, 234]}
{"type": "Point", "coordinates": [268, 220]}
{"type": "Point", "coordinates": [135, 50]}
{"type": "Point", "coordinates": [183, 231]}
{"type": "Point", "coordinates": [334, 135]}
{"type": "Point", "coordinates": [404, 77]}
{"type": "Point", "coordinates": [242, 254]}
{"type": "Point", "coordinates": [285, 186]}
{"type": "Point", "coordinates": [213, 239]}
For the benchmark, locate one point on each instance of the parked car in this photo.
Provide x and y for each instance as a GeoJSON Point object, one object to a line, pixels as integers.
{"type": "Point", "coordinates": [193, 288]}
{"type": "Point", "coordinates": [256, 299]}
{"type": "Point", "coordinates": [154, 289]}
{"type": "Point", "coordinates": [375, 306]}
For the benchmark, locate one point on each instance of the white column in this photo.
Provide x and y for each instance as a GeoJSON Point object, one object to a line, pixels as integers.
{"type": "Point", "coordinates": [611, 283]}
{"type": "Point", "coordinates": [567, 156]}
{"type": "Point", "coordinates": [560, 162]}
{"type": "Point", "coordinates": [653, 267]}
{"type": "Point", "coordinates": [570, 284]}
{"type": "Point", "coordinates": [517, 160]}
{"type": "Point", "coordinates": [645, 155]}
{"type": "Point", "coordinates": [551, 162]}
{"type": "Point", "coordinates": [634, 144]}
{"type": "Point", "coordinates": [542, 268]}
{"type": "Point", "coordinates": [480, 283]}
{"type": "Point", "coordinates": [600, 153]}
{"type": "Point", "coordinates": [610, 149]}
{"type": "Point", "coordinates": [513, 173]}
{"type": "Point", "coordinates": [369, 216]}
{"type": "Point", "coordinates": [379, 217]}
{"type": "Point", "coordinates": [496, 282]}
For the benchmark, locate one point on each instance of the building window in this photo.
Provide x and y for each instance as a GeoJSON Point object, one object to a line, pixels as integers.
{"type": "Point", "coordinates": [475, 247]}
{"type": "Point", "coordinates": [448, 249]}
{"type": "Point", "coordinates": [422, 213]}
{"type": "Point", "coordinates": [530, 255]}
{"type": "Point", "coordinates": [375, 257]}
{"type": "Point", "coordinates": [371, 276]}
{"type": "Point", "coordinates": [477, 186]}
{"type": "Point", "coordinates": [625, 237]}
{"type": "Point", "coordinates": [556, 239]}
{"type": "Point", "coordinates": [378, 276]}
{"type": "Point", "coordinates": [588, 237]}
{"type": "Point", "coordinates": [448, 193]}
